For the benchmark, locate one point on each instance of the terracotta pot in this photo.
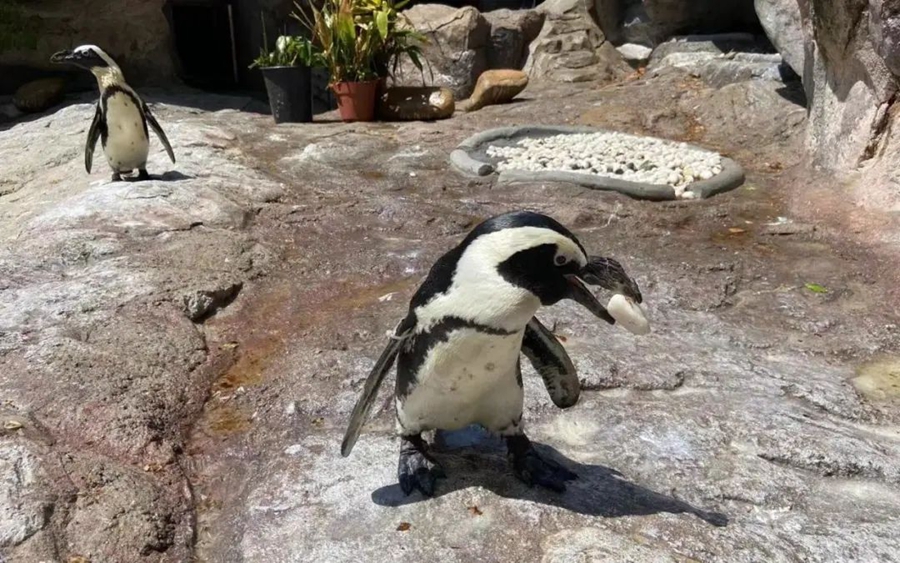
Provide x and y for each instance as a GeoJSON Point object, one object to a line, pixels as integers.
{"type": "Point", "coordinates": [356, 100]}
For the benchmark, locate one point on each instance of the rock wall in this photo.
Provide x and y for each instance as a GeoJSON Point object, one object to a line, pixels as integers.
{"type": "Point", "coordinates": [134, 32]}
{"type": "Point", "coordinates": [849, 70]}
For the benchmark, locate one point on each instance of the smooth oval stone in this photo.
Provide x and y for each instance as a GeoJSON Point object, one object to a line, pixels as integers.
{"type": "Point", "coordinates": [39, 95]}
{"type": "Point", "coordinates": [412, 103]}
{"type": "Point", "coordinates": [628, 314]}
{"type": "Point", "coordinates": [496, 87]}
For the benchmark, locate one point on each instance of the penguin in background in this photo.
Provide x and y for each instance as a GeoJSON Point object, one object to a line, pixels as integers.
{"type": "Point", "coordinates": [120, 116]}
{"type": "Point", "coordinates": [458, 349]}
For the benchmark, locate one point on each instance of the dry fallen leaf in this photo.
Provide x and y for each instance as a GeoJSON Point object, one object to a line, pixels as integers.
{"type": "Point", "coordinates": [475, 511]}
{"type": "Point", "coordinates": [404, 526]}
{"type": "Point", "coordinates": [12, 425]}
{"type": "Point", "coordinates": [736, 230]}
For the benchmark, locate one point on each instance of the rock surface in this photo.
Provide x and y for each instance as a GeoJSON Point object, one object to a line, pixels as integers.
{"type": "Point", "coordinates": [458, 41]}
{"type": "Point", "coordinates": [571, 48]}
{"type": "Point", "coordinates": [415, 103]}
{"type": "Point", "coordinates": [781, 21]}
{"type": "Point", "coordinates": [496, 87]}
{"type": "Point", "coordinates": [149, 437]}
{"type": "Point", "coordinates": [512, 31]}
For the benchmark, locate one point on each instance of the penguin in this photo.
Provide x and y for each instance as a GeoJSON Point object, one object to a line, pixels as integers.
{"type": "Point", "coordinates": [120, 116]}
{"type": "Point", "coordinates": [458, 349]}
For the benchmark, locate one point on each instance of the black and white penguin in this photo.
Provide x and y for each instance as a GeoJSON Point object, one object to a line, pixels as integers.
{"type": "Point", "coordinates": [458, 349]}
{"type": "Point", "coordinates": [120, 116]}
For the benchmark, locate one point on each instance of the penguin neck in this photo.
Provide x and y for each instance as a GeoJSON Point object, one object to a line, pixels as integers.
{"type": "Point", "coordinates": [109, 76]}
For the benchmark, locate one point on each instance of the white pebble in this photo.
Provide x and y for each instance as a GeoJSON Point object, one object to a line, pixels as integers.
{"type": "Point", "coordinates": [628, 314]}
{"type": "Point", "coordinates": [610, 154]}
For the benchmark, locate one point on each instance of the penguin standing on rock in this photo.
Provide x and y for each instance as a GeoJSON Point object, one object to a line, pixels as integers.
{"type": "Point", "coordinates": [120, 116]}
{"type": "Point", "coordinates": [458, 349]}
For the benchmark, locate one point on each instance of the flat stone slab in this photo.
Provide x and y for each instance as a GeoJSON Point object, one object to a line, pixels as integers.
{"type": "Point", "coordinates": [471, 158]}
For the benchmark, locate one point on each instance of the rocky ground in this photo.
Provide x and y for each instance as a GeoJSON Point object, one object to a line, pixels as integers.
{"type": "Point", "coordinates": [178, 357]}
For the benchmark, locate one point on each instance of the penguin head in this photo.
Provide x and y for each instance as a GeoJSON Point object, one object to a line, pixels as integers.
{"type": "Point", "coordinates": [88, 57]}
{"type": "Point", "coordinates": [533, 252]}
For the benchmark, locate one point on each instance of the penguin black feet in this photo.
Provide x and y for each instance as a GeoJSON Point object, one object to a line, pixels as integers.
{"type": "Point", "coordinates": [142, 175]}
{"type": "Point", "coordinates": [116, 177]}
{"type": "Point", "coordinates": [417, 469]}
{"type": "Point", "coordinates": [532, 469]}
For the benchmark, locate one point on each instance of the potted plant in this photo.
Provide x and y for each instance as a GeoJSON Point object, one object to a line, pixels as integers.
{"type": "Point", "coordinates": [286, 72]}
{"type": "Point", "coordinates": [396, 34]}
{"type": "Point", "coordinates": [359, 40]}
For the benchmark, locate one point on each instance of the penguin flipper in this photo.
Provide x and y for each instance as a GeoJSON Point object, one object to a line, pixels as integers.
{"type": "Point", "coordinates": [151, 121]}
{"type": "Point", "coordinates": [93, 135]}
{"type": "Point", "coordinates": [550, 360]}
{"type": "Point", "coordinates": [373, 382]}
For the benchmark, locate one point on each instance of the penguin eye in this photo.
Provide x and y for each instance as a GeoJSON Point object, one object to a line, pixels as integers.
{"type": "Point", "coordinates": [560, 260]}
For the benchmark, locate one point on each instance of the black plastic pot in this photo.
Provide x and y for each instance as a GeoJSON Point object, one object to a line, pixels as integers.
{"type": "Point", "coordinates": [290, 93]}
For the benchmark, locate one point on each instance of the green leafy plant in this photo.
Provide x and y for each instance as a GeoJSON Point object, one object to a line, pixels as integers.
{"type": "Point", "coordinates": [361, 39]}
{"type": "Point", "coordinates": [290, 50]}
{"type": "Point", "coordinates": [396, 34]}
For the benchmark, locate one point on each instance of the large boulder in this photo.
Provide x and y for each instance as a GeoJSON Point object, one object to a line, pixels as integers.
{"type": "Point", "coordinates": [571, 47]}
{"type": "Point", "coordinates": [135, 33]}
{"type": "Point", "coordinates": [456, 53]}
{"type": "Point", "coordinates": [512, 31]}
{"type": "Point", "coordinates": [848, 83]}
{"type": "Point", "coordinates": [650, 22]}
{"type": "Point", "coordinates": [781, 21]}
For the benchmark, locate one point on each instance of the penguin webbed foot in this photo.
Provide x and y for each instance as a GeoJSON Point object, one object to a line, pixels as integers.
{"type": "Point", "coordinates": [417, 469]}
{"type": "Point", "coordinates": [532, 469]}
{"type": "Point", "coordinates": [143, 175]}
{"type": "Point", "coordinates": [116, 177]}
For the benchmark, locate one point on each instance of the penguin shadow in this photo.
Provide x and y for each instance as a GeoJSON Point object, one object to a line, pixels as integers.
{"type": "Point", "coordinates": [169, 176]}
{"type": "Point", "coordinates": [472, 458]}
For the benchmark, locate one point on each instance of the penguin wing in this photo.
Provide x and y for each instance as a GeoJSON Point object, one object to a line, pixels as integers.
{"type": "Point", "coordinates": [373, 382]}
{"type": "Point", "coordinates": [93, 135]}
{"type": "Point", "coordinates": [159, 132]}
{"type": "Point", "coordinates": [550, 360]}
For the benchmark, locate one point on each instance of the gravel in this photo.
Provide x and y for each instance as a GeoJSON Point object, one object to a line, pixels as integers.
{"type": "Point", "coordinates": [616, 155]}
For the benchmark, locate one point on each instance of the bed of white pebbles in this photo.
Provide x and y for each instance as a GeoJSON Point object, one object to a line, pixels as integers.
{"type": "Point", "coordinates": [616, 155]}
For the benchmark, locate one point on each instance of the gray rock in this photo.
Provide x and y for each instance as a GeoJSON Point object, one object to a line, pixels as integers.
{"type": "Point", "coordinates": [22, 510]}
{"type": "Point", "coordinates": [571, 48]}
{"type": "Point", "coordinates": [781, 21]}
{"type": "Point", "coordinates": [848, 84]}
{"type": "Point", "coordinates": [457, 49]}
{"type": "Point", "coordinates": [884, 25]}
{"type": "Point", "coordinates": [634, 53]}
{"type": "Point", "coordinates": [512, 31]}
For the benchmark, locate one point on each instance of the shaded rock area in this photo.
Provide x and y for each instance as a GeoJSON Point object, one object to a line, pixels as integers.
{"type": "Point", "coordinates": [151, 412]}
{"type": "Point", "coordinates": [650, 22]}
{"type": "Point", "coordinates": [140, 41]}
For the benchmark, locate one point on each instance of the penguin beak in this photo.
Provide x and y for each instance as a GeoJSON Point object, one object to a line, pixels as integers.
{"type": "Point", "coordinates": [583, 296]}
{"type": "Point", "coordinates": [608, 274]}
{"type": "Point", "coordinates": [62, 57]}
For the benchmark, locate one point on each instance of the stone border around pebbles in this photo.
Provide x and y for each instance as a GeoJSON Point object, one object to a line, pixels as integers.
{"type": "Point", "coordinates": [466, 159]}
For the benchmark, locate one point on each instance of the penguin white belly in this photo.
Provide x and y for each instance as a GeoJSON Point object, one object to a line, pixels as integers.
{"type": "Point", "coordinates": [471, 378]}
{"type": "Point", "coordinates": [127, 145]}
